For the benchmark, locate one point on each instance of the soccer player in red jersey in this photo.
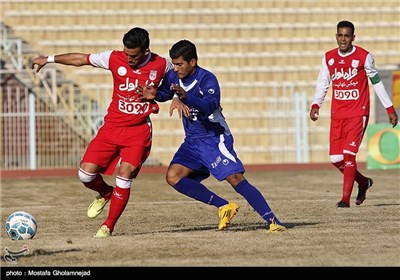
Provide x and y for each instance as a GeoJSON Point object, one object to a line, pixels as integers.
{"type": "Point", "coordinates": [125, 136]}
{"type": "Point", "coordinates": [348, 69]}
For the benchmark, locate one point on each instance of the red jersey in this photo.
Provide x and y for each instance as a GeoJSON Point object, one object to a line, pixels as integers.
{"type": "Point", "coordinates": [125, 108]}
{"type": "Point", "coordinates": [349, 74]}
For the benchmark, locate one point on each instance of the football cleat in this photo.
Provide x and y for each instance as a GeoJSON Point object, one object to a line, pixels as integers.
{"type": "Point", "coordinates": [275, 227]}
{"type": "Point", "coordinates": [104, 231]}
{"type": "Point", "coordinates": [342, 204]}
{"type": "Point", "coordinates": [362, 191]}
{"type": "Point", "coordinates": [226, 214]}
{"type": "Point", "coordinates": [97, 206]}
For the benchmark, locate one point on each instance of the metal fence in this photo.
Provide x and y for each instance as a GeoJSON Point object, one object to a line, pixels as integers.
{"type": "Point", "coordinates": [36, 134]}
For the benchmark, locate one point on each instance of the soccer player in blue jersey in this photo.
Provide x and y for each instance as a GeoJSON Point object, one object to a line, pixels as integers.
{"type": "Point", "coordinates": [208, 144]}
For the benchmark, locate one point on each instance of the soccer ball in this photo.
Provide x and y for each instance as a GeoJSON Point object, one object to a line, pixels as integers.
{"type": "Point", "coordinates": [21, 225]}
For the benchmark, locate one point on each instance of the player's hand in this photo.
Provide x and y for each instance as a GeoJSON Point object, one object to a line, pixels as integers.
{"type": "Point", "coordinates": [40, 61]}
{"type": "Point", "coordinates": [146, 92]}
{"type": "Point", "coordinates": [179, 91]}
{"type": "Point", "coordinates": [393, 118]}
{"type": "Point", "coordinates": [180, 107]}
{"type": "Point", "coordinates": [314, 113]}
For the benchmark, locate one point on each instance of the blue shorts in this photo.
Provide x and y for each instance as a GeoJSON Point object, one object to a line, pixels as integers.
{"type": "Point", "coordinates": [213, 155]}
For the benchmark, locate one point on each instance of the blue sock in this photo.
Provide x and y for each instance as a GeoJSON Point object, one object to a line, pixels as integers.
{"type": "Point", "coordinates": [199, 192]}
{"type": "Point", "coordinates": [256, 200]}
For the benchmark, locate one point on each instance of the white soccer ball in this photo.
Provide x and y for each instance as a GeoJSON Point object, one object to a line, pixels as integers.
{"type": "Point", "coordinates": [21, 225]}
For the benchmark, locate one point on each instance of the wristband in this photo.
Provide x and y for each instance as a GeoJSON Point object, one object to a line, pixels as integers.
{"type": "Point", "coordinates": [390, 110]}
{"type": "Point", "coordinates": [50, 59]}
{"type": "Point", "coordinates": [176, 95]}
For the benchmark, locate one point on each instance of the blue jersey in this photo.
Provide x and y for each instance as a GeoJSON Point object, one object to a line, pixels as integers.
{"type": "Point", "coordinates": [208, 145]}
{"type": "Point", "coordinates": [203, 98]}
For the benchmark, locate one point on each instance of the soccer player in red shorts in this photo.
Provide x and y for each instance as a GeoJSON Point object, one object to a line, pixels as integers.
{"type": "Point", "coordinates": [125, 136]}
{"type": "Point", "coordinates": [348, 69]}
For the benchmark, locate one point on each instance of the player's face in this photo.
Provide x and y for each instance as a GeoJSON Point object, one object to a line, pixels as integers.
{"type": "Point", "coordinates": [135, 56]}
{"type": "Point", "coordinates": [183, 68]}
{"type": "Point", "coordinates": [344, 39]}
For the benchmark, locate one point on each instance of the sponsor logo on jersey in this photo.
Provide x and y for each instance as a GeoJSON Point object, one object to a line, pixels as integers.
{"type": "Point", "coordinates": [193, 114]}
{"type": "Point", "coordinates": [128, 86]}
{"type": "Point", "coordinates": [341, 73]}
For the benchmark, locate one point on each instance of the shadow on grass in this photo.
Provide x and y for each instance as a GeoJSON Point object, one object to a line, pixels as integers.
{"type": "Point", "coordinates": [235, 227]}
{"type": "Point", "coordinates": [387, 204]}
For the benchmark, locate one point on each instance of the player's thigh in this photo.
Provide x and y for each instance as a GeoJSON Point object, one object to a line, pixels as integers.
{"type": "Point", "coordinates": [135, 154]}
{"type": "Point", "coordinates": [336, 137]}
{"type": "Point", "coordinates": [354, 129]}
{"type": "Point", "coordinates": [135, 144]}
{"type": "Point", "coordinates": [99, 153]}
{"type": "Point", "coordinates": [187, 156]}
{"type": "Point", "coordinates": [220, 157]}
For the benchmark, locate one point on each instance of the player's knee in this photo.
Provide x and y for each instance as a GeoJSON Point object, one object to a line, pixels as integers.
{"type": "Point", "coordinates": [86, 177]}
{"type": "Point", "coordinates": [235, 179]}
{"type": "Point", "coordinates": [336, 158]}
{"type": "Point", "coordinates": [171, 178]}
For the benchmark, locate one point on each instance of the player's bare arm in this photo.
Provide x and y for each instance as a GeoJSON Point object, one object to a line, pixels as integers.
{"type": "Point", "coordinates": [74, 59]}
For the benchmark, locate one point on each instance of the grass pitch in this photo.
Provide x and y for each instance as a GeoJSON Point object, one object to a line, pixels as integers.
{"type": "Point", "coordinates": [160, 227]}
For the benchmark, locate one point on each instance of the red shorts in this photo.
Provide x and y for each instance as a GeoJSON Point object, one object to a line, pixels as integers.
{"type": "Point", "coordinates": [347, 134]}
{"type": "Point", "coordinates": [111, 144]}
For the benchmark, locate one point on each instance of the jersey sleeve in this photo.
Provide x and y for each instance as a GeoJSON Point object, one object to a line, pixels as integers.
{"type": "Point", "coordinates": [370, 69]}
{"type": "Point", "coordinates": [164, 92]}
{"type": "Point", "coordinates": [322, 85]}
{"type": "Point", "coordinates": [101, 60]}
{"type": "Point", "coordinates": [377, 84]}
{"type": "Point", "coordinates": [169, 66]}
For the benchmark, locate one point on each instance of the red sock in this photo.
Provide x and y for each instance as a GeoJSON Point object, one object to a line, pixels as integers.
{"type": "Point", "coordinates": [119, 200]}
{"type": "Point", "coordinates": [349, 174]}
{"type": "Point", "coordinates": [360, 179]}
{"type": "Point", "coordinates": [100, 186]}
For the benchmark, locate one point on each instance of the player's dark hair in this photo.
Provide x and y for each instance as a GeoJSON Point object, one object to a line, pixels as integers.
{"type": "Point", "coordinates": [137, 38]}
{"type": "Point", "coordinates": [183, 48]}
{"type": "Point", "coordinates": [345, 23]}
